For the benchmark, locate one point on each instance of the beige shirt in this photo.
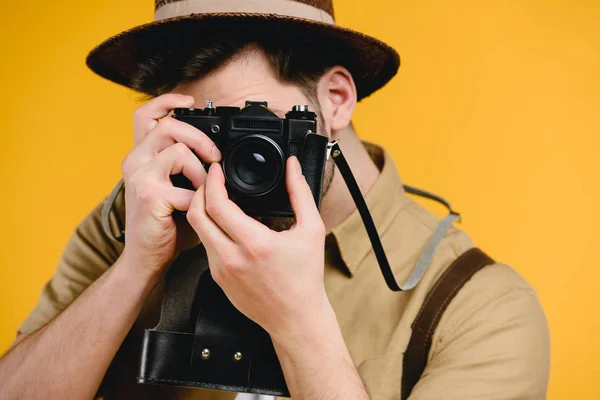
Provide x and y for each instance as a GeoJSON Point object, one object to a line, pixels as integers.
{"type": "Point", "coordinates": [491, 343]}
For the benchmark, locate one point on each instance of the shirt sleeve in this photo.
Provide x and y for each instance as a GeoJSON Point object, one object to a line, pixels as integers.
{"type": "Point", "coordinates": [87, 255]}
{"type": "Point", "coordinates": [492, 343]}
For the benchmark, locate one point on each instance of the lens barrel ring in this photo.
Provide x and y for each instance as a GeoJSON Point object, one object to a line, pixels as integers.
{"type": "Point", "coordinates": [245, 156]}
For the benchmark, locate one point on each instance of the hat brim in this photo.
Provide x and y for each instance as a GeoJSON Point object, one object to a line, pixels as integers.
{"type": "Point", "coordinates": [371, 62]}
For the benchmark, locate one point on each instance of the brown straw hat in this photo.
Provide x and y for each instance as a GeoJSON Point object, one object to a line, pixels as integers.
{"type": "Point", "coordinates": [181, 25]}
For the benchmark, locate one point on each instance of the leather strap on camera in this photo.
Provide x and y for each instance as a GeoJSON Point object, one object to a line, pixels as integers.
{"type": "Point", "coordinates": [334, 151]}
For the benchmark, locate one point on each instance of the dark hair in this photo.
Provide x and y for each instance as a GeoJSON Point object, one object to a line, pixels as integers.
{"type": "Point", "coordinates": [292, 63]}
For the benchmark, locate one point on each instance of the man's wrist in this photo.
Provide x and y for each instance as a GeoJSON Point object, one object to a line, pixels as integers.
{"type": "Point", "coordinates": [307, 327]}
{"type": "Point", "coordinates": [315, 359]}
{"type": "Point", "coordinates": [134, 270]}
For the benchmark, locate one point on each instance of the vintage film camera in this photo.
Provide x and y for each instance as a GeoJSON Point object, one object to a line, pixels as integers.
{"type": "Point", "coordinates": [255, 144]}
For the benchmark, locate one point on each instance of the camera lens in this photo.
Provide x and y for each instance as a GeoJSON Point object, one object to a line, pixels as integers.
{"type": "Point", "coordinates": [254, 165]}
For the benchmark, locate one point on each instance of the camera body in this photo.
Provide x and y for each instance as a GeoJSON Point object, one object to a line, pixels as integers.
{"type": "Point", "coordinates": [255, 144]}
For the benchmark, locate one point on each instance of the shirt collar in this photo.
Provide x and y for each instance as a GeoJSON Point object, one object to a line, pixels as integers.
{"type": "Point", "coordinates": [385, 199]}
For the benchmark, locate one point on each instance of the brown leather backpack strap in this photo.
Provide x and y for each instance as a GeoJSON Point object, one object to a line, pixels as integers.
{"type": "Point", "coordinates": [436, 302]}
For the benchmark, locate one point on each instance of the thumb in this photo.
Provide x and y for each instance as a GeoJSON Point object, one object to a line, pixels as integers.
{"type": "Point", "coordinates": [301, 197]}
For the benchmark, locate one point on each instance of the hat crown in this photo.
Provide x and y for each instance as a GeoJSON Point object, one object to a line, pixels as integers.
{"type": "Point", "coordinates": [323, 5]}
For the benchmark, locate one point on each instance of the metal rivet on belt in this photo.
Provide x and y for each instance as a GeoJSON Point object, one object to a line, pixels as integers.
{"type": "Point", "coordinates": [205, 353]}
{"type": "Point", "coordinates": [237, 356]}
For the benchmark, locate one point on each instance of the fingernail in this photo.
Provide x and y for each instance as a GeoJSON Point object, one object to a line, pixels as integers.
{"type": "Point", "coordinates": [215, 165]}
{"type": "Point", "coordinates": [215, 152]}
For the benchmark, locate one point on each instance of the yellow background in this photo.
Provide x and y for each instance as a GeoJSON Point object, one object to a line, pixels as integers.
{"type": "Point", "coordinates": [496, 107]}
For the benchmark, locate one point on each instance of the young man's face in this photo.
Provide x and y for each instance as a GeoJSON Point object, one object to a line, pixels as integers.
{"type": "Point", "coordinates": [250, 77]}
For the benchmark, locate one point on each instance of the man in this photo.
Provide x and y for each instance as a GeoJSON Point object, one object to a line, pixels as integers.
{"type": "Point", "coordinates": [315, 288]}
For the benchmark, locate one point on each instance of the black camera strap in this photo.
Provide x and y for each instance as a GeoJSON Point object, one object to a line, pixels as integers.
{"type": "Point", "coordinates": [334, 150]}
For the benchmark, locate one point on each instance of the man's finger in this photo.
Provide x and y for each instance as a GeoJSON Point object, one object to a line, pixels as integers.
{"type": "Point", "coordinates": [210, 234]}
{"type": "Point", "coordinates": [301, 197]}
{"type": "Point", "coordinates": [170, 131]}
{"type": "Point", "coordinates": [179, 198]}
{"type": "Point", "coordinates": [178, 159]}
{"type": "Point", "coordinates": [240, 227]}
{"type": "Point", "coordinates": [146, 117]}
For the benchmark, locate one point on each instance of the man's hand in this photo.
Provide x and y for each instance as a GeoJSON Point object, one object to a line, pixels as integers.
{"type": "Point", "coordinates": [274, 278]}
{"type": "Point", "coordinates": [68, 357]}
{"type": "Point", "coordinates": [163, 147]}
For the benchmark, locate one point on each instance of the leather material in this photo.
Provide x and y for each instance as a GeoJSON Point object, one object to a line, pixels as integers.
{"type": "Point", "coordinates": [197, 315]}
{"type": "Point", "coordinates": [436, 302]}
{"type": "Point", "coordinates": [166, 360]}
{"type": "Point", "coordinates": [312, 160]}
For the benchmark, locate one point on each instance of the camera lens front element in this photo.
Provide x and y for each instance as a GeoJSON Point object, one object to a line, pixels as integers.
{"type": "Point", "coordinates": [254, 168]}
{"type": "Point", "coordinates": [254, 165]}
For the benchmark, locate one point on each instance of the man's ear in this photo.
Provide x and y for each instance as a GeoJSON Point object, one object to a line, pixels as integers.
{"type": "Point", "coordinates": [337, 95]}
